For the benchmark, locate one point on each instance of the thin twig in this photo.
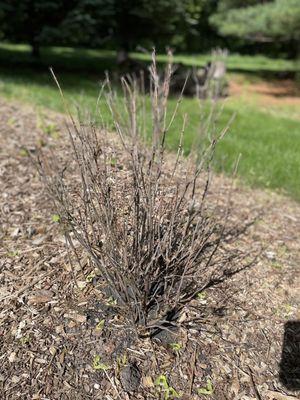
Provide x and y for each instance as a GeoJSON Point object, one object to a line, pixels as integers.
{"type": "Point", "coordinates": [193, 365]}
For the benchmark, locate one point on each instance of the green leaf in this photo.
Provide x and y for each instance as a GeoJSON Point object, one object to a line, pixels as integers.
{"type": "Point", "coordinates": [173, 394]}
{"type": "Point", "coordinates": [111, 301]}
{"type": "Point", "coordinates": [55, 218]}
{"type": "Point", "coordinates": [90, 277]}
{"type": "Point", "coordinates": [13, 253]}
{"type": "Point", "coordinates": [276, 265]}
{"type": "Point", "coordinates": [201, 296]}
{"type": "Point", "coordinates": [100, 325]}
{"type": "Point", "coordinates": [208, 390]}
{"type": "Point", "coordinates": [169, 391]}
{"type": "Point", "coordinates": [98, 365]}
{"type": "Point", "coordinates": [176, 346]}
{"type": "Point", "coordinates": [113, 161]}
{"type": "Point", "coordinates": [23, 153]}
{"type": "Point", "coordinates": [162, 381]}
{"type": "Point", "coordinates": [24, 340]}
{"type": "Point", "coordinates": [122, 360]}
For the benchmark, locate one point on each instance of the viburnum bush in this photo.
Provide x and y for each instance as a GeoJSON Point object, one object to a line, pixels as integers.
{"type": "Point", "coordinates": [144, 217]}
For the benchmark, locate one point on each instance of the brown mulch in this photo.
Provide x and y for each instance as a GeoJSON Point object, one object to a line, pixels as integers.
{"type": "Point", "coordinates": [60, 337]}
{"type": "Point", "coordinates": [284, 88]}
{"type": "Point", "coordinates": [278, 93]}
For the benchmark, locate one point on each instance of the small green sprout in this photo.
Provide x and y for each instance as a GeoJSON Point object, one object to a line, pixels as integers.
{"type": "Point", "coordinates": [23, 152]}
{"type": "Point", "coordinates": [90, 277]}
{"type": "Point", "coordinates": [51, 130]}
{"type": "Point", "coordinates": [283, 250]}
{"type": "Point", "coordinates": [122, 360]}
{"type": "Point", "coordinates": [41, 142]}
{"type": "Point", "coordinates": [98, 365]}
{"type": "Point", "coordinates": [100, 325]}
{"type": "Point", "coordinates": [55, 218]}
{"type": "Point", "coordinates": [113, 162]}
{"type": "Point", "coordinates": [176, 346]}
{"type": "Point", "coordinates": [276, 265]}
{"type": "Point", "coordinates": [173, 394]}
{"type": "Point", "coordinates": [13, 253]}
{"type": "Point", "coordinates": [208, 390]}
{"type": "Point", "coordinates": [24, 340]}
{"type": "Point", "coordinates": [169, 392]}
{"type": "Point", "coordinates": [287, 309]}
{"type": "Point", "coordinates": [201, 296]}
{"type": "Point", "coordinates": [111, 301]}
{"type": "Point", "coordinates": [162, 381]}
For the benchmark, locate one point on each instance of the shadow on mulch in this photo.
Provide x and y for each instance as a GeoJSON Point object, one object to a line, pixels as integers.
{"type": "Point", "coordinates": [289, 373]}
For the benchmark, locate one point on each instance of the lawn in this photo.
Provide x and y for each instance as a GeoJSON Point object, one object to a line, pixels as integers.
{"type": "Point", "coordinates": [100, 60]}
{"type": "Point", "coordinates": [269, 142]}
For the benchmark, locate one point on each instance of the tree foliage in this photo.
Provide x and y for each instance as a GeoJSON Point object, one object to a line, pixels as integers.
{"type": "Point", "coordinates": [195, 25]}
{"type": "Point", "coordinates": [128, 23]}
{"type": "Point", "coordinates": [33, 21]}
{"type": "Point", "coordinates": [124, 23]}
{"type": "Point", "coordinates": [277, 20]}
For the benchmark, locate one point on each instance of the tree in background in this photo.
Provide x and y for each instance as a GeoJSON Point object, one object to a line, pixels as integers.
{"type": "Point", "coordinates": [126, 24]}
{"type": "Point", "coordinates": [202, 35]}
{"type": "Point", "coordinates": [185, 25]}
{"type": "Point", "coordinates": [88, 23]}
{"type": "Point", "coordinates": [260, 21]}
{"type": "Point", "coordinates": [35, 22]}
{"type": "Point", "coordinates": [122, 23]}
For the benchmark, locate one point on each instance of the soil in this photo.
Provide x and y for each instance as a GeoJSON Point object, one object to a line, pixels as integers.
{"type": "Point", "coordinates": [275, 93]}
{"type": "Point", "coordinates": [61, 339]}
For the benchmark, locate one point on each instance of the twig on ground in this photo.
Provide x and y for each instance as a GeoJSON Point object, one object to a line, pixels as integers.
{"type": "Point", "coordinates": [193, 365]}
{"type": "Point", "coordinates": [257, 394]}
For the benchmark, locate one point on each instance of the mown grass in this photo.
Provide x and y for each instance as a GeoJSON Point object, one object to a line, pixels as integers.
{"type": "Point", "coordinates": [269, 143]}
{"type": "Point", "coordinates": [234, 62]}
{"type": "Point", "coordinates": [100, 60]}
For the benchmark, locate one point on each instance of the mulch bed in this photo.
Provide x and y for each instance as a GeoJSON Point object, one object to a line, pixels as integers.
{"type": "Point", "coordinates": [60, 336]}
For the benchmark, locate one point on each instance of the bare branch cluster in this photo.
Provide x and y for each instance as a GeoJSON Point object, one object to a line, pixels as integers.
{"type": "Point", "coordinates": [143, 216]}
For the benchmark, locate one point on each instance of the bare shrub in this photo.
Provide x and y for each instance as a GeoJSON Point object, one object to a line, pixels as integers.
{"type": "Point", "coordinates": [144, 217]}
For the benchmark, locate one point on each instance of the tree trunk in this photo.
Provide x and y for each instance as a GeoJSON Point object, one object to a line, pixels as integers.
{"type": "Point", "coordinates": [294, 49]}
{"type": "Point", "coordinates": [122, 56]}
{"type": "Point", "coordinates": [35, 50]}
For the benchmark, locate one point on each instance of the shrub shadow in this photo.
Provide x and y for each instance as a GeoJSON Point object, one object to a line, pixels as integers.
{"type": "Point", "coordinates": [289, 373]}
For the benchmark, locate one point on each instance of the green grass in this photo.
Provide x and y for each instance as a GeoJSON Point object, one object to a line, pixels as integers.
{"type": "Point", "coordinates": [100, 60]}
{"type": "Point", "coordinates": [269, 143]}
{"type": "Point", "coordinates": [66, 58]}
{"type": "Point", "coordinates": [269, 146]}
{"type": "Point", "coordinates": [234, 62]}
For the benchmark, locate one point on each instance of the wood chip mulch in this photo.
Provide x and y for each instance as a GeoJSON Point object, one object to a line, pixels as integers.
{"type": "Point", "coordinates": [60, 337]}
